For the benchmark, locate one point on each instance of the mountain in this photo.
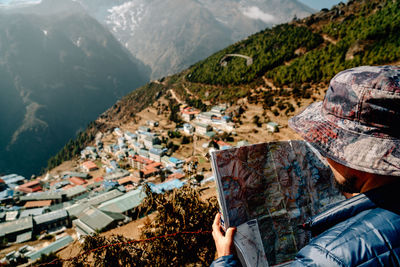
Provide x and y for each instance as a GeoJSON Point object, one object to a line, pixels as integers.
{"type": "Point", "coordinates": [171, 35]}
{"type": "Point", "coordinates": [59, 69]}
{"type": "Point", "coordinates": [291, 62]}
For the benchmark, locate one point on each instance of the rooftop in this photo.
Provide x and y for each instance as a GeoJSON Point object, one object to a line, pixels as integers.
{"type": "Point", "coordinates": [16, 226]}
{"type": "Point", "coordinates": [51, 216]}
{"type": "Point", "coordinates": [53, 247]}
{"type": "Point", "coordinates": [104, 197]}
{"type": "Point", "coordinates": [36, 204]}
{"type": "Point", "coordinates": [124, 203]}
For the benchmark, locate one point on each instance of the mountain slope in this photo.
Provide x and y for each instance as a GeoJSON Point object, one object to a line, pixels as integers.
{"type": "Point", "coordinates": [59, 69]}
{"type": "Point", "coordinates": [171, 35]}
{"type": "Point", "coordinates": [291, 62]}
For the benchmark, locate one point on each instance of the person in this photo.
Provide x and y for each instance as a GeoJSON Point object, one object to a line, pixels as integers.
{"type": "Point", "coordinates": [357, 129]}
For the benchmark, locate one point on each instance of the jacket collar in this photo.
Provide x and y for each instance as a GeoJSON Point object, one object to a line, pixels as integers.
{"type": "Point", "coordinates": [386, 197]}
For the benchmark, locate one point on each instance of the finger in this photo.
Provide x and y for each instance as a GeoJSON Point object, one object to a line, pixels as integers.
{"type": "Point", "coordinates": [230, 233]}
{"type": "Point", "coordinates": [216, 223]}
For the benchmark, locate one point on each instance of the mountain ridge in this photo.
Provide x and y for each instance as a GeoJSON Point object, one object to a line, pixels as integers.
{"type": "Point", "coordinates": [45, 62]}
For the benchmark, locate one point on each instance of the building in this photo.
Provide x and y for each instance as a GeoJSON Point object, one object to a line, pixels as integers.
{"type": "Point", "coordinates": [188, 128]}
{"type": "Point", "coordinates": [166, 186]}
{"type": "Point", "coordinates": [202, 128]}
{"type": "Point", "coordinates": [218, 110]}
{"type": "Point", "coordinates": [56, 197]}
{"type": "Point", "coordinates": [147, 172]}
{"type": "Point", "coordinates": [30, 187]}
{"type": "Point", "coordinates": [205, 117]}
{"type": "Point", "coordinates": [130, 136]}
{"type": "Point", "coordinates": [17, 230]}
{"type": "Point", "coordinates": [118, 132]}
{"type": "Point", "coordinates": [82, 175]}
{"type": "Point", "coordinates": [150, 141]}
{"type": "Point", "coordinates": [77, 181]}
{"type": "Point", "coordinates": [12, 215]}
{"type": "Point", "coordinates": [93, 220]}
{"type": "Point", "coordinates": [97, 200]}
{"type": "Point", "coordinates": [138, 162]}
{"type": "Point", "coordinates": [12, 180]}
{"type": "Point", "coordinates": [37, 204]}
{"type": "Point", "coordinates": [52, 248]}
{"type": "Point", "coordinates": [173, 162]}
{"type": "Point", "coordinates": [129, 180]}
{"type": "Point", "coordinates": [152, 123]}
{"type": "Point", "coordinates": [75, 192]}
{"type": "Point", "coordinates": [242, 143]}
{"type": "Point", "coordinates": [51, 220]}
{"type": "Point", "coordinates": [144, 153]}
{"type": "Point", "coordinates": [272, 127]}
{"type": "Point", "coordinates": [176, 175]}
{"type": "Point", "coordinates": [189, 113]}
{"type": "Point", "coordinates": [144, 129]}
{"type": "Point", "coordinates": [125, 204]}
{"type": "Point", "coordinates": [33, 212]}
{"type": "Point", "coordinates": [115, 175]}
{"type": "Point", "coordinates": [155, 154]}
{"type": "Point", "coordinates": [89, 166]}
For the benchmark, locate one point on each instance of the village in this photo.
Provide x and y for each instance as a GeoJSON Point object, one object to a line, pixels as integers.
{"type": "Point", "coordinates": [104, 188]}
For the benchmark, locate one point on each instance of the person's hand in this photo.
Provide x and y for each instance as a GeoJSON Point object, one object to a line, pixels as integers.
{"type": "Point", "coordinates": [223, 243]}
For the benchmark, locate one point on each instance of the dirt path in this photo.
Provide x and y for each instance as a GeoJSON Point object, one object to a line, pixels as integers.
{"type": "Point", "coordinates": [269, 83]}
{"type": "Point", "coordinates": [174, 96]}
{"type": "Point", "coordinates": [329, 39]}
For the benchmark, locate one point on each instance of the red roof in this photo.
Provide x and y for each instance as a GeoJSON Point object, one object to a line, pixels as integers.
{"type": "Point", "coordinates": [128, 179]}
{"type": "Point", "coordinates": [142, 160]}
{"type": "Point", "coordinates": [29, 189]}
{"type": "Point", "coordinates": [154, 165]}
{"type": "Point", "coordinates": [2, 181]}
{"type": "Point", "coordinates": [77, 181]}
{"type": "Point", "coordinates": [148, 171]}
{"type": "Point", "coordinates": [129, 187]}
{"type": "Point", "coordinates": [222, 143]}
{"type": "Point", "coordinates": [98, 179]}
{"type": "Point", "coordinates": [176, 176]}
{"type": "Point", "coordinates": [68, 186]}
{"type": "Point", "coordinates": [31, 183]}
{"type": "Point", "coordinates": [37, 204]}
{"type": "Point", "coordinates": [90, 165]}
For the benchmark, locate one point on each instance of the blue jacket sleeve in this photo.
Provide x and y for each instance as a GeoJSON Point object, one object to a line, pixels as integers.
{"type": "Point", "coordinates": [226, 261]}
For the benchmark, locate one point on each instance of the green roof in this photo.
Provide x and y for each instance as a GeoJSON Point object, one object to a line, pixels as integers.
{"type": "Point", "coordinates": [76, 209]}
{"type": "Point", "coordinates": [53, 247]}
{"type": "Point", "coordinates": [97, 219]}
{"type": "Point", "coordinates": [104, 197]}
{"type": "Point", "coordinates": [76, 190]}
{"type": "Point", "coordinates": [124, 203]}
{"type": "Point", "coordinates": [16, 226]}
{"type": "Point", "coordinates": [51, 216]}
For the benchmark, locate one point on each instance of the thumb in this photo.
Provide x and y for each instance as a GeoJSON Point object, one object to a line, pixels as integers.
{"type": "Point", "coordinates": [230, 233]}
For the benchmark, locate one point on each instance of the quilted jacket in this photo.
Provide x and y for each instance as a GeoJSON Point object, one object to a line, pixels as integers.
{"type": "Point", "coordinates": [360, 231]}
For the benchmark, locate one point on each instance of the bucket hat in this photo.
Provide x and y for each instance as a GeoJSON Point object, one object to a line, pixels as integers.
{"type": "Point", "coordinates": [358, 122]}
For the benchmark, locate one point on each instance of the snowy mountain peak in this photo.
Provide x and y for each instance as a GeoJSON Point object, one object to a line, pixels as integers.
{"type": "Point", "coordinates": [125, 17]}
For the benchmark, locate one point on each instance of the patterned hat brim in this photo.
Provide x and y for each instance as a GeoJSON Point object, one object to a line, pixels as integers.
{"type": "Point", "coordinates": [356, 150]}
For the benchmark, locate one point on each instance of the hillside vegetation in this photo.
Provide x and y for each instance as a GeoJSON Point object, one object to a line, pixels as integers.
{"type": "Point", "coordinates": [289, 60]}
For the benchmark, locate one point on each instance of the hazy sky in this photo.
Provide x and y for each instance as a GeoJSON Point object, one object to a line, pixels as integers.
{"type": "Point", "coordinates": [319, 4]}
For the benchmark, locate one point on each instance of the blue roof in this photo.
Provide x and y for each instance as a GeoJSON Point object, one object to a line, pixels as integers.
{"type": "Point", "coordinates": [114, 164]}
{"type": "Point", "coordinates": [8, 193]}
{"type": "Point", "coordinates": [10, 177]}
{"type": "Point", "coordinates": [166, 186]}
{"type": "Point", "coordinates": [175, 160]}
{"type": "Point", "coordinates": [14, 180]}
{"type": "Point", "coordinates": [156, 151]}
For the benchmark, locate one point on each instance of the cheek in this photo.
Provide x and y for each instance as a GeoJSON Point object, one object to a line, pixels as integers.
{"type": "Point", "coordinates": [338, 177]}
